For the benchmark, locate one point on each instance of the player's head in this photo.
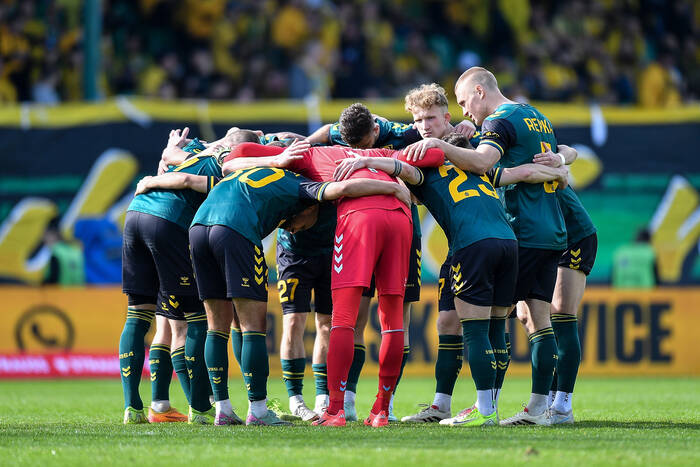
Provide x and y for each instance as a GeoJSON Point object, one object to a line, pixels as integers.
{"type": "Point", "coordinates": [357, 126]}
{"type": "Point", "coordinates": [302, 221]}
{"type": "Point", "coordinates": [428, 105]}
{"type": "Point", "coordinates": [238, 136]}
{"type": "Point", "coordinates": [476, 91]}
{"type": "Point", "coordinates": [457, 139]}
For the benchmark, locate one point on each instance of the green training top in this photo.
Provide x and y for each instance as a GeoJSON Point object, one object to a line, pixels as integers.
{"type": "Point", "coordinates": [578, 223]}
{"type": "Point", "coordinates": [519, 131]}
{"type": "Point", "coordinates": [255, 201]}
{"type": "Point", "coordinates": [465, 205]}
{"type": "Point", "coordinates": [179, 206]}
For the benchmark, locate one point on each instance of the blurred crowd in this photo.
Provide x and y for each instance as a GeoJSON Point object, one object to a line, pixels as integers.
{"type": "Point", "coordinates": [611, 51]}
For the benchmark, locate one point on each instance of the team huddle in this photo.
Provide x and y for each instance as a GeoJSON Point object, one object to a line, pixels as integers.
{"type": "Point", "coordinates": [343, 202]}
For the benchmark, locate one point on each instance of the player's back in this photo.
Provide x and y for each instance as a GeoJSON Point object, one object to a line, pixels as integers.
{"type": "Point", "coordinates": [252, 201]}
{"type": "Point", "coordinates": [466, 205]}
{"type": "Point", "coordinates": [320, 162]}
{"type": "Point", "coordinates": [179, 206]}
{"type": "Point", "coordinates": [520, 131]}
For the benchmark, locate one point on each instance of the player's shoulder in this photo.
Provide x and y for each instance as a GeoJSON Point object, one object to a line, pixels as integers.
{"type": "Point", "coordinates": [505, 111]}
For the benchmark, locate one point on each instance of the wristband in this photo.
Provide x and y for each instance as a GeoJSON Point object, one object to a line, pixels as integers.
{"type": "Point", "coordinates": [563, 159]}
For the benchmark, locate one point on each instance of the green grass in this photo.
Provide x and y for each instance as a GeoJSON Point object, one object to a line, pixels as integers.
{"type": "Point", "coordinates": [622, 421]}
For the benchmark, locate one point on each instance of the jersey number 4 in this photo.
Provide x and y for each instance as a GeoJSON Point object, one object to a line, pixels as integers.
{"type": "Point", "coordinates": [462, 177]}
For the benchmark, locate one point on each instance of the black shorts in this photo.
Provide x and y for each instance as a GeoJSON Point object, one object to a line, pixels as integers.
{"type": "Point", "coordinates": [156, 263]}
{"type": "Point", "coordinates": [297, 275]}
{"type": "Point", "coordinates": [581, 255]}
{"type": "Point", "coordinates": [484, 273]}
{"type": "Point", "coordinates": [446, 300]}
{"type": "Point", "coordinates": [413, 282]}
{"type": "Point", "coordinates": [537, 274]}
{"type": "Point", "coordinates": [226, 264]}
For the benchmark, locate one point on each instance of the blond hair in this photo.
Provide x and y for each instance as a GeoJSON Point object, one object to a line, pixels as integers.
{"type": "Point", "coordinates": [479, 75]}
{"type": "Point", "coordinates": [426, 96]}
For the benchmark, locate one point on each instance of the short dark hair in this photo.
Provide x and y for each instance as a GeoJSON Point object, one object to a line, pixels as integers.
{"type": "Point", "coordinates": [457, 139]}
{"type": "Point", "coordinates": [356, 122]}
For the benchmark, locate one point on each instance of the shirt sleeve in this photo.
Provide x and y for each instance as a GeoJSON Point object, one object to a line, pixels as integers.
{"type": "Point", "coordinates": [312, 190]}
{"type": "Point", "coordinates": [211, 182]}
{"type": "Point", "coordinates": [498, 133]}
{"type": "Point", "coordinates": [396, 135]}
{"type": "Point", "coordinates": [494, 176]}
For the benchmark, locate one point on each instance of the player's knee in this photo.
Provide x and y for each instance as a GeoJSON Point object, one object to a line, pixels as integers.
{"type": "Point", "coordinates": [523, 316]}
{"type": "Point", "coordinates": [448, 323]}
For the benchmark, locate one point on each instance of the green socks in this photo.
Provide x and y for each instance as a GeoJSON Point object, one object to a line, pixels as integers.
{"type": "Point", "coordinates": [200, 388]}
{"type": "Point", "coordinates": [406, 354]}
{"type": "Point", "coordinates": [358, 361]}
{"type": "Point", "coordinates": [497, 337]}
{"type": "Point", "coordinates": [216, 358]}
{"type": "Point", "coordinates": [177, 357]}
{"type": "Point", "coordinates": [481, 360]}
{"type": "Point", "coordinates": [132, 353]}
{"type": "Point", "coordinates": [569, 350]}
{"type": "Point", "coordinates": [255, 365]}
{"type": "Point", "coordinates": [293, 375]}
{"type": "Point", "coordinates": [320, 378]}
{"type": "Point", "coordinates": [161, 371]}
{"type": "Point", "coordinates": [237, 344]}
{"type": "Point", "coordinates": [543, 350]}
{"type": "Point", "coordinates": [449, 362]}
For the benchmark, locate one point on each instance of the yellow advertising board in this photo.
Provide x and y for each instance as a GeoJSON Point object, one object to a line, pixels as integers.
{"type": "Point", "coordinates": [50, 331]}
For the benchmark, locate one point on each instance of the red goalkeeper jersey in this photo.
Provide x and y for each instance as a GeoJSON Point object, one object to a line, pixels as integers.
{"type": "Point", "coordinates": [319, 164]}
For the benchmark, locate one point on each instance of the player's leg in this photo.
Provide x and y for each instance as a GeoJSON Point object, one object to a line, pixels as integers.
{"type": "Point", "coordinates": [295, 273]}
{"type": "Point", "coordinates": [534, 290]}
{"type": "Point", "coordinates": [351, 274]}
{"type": "Point", "coordinates": [236, 337]}
{"type": "Point", "coordinates": [139, 316]}
{"type": "Point", "coordinates": [207, 245]}
{"type": "Point", "coordinates": [412, 295]}
{"type": "Point", "coordinates": [161, 366]}
{"type": "Point", "coordinates": [575, 264]}
{"type": "Point", "coordinates": [323, 305]}
{"type": "Point", "coordinates": [200, 388]}
{"type": "Point", "coordinates": [140, 284]}
{"type": "Point", "coordinates": [393, 238]}
{"type": "Point", "coordinates": [359, 353]}
{"type": "Point", "coordinates": [450, 354]}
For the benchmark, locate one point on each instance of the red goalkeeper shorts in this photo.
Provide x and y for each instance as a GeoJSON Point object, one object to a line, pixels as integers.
{"type": "Point", "coordinates": [372, 241]}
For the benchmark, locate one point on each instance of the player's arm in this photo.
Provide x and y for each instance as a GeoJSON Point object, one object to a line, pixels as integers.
{"type": "Point", "coordinates": [565, 155]}
{"type": "Point", "coordinates": [477, 160]}
{"type": "Point", "coordinates": [365, 187]}
{"type": "Point", "coordinates": [172, 153]}
{"type": "Point", "coordinates": [320, 136]}
{"type": "Point", "coordinates": [247, 155]}
{"type": "Point", "coordinates": [532, 173]}
{"type": "Point", "coordinates": [393, 167]}
{"type": "Point", "coordinates": [176, 181]}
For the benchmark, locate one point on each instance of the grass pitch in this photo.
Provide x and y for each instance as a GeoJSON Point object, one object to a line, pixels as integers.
{"type": "Point", "coordinates": [650, 421]}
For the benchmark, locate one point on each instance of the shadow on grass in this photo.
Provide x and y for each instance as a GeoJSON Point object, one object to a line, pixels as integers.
{"type": "Point", "coordinates": [646, 425]}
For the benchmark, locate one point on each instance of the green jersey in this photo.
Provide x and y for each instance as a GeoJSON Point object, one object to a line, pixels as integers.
{"type": "Point", "coordinates": [465, 205]}
{"type": "Point", "coordinates": [578, 223]}
{"type": "Point", "coordinates": [633, 266]}
{"type": "Point", "coordinates": [317, 240]}
{"type": "Point", "coordinates": [392, 135]}
{"type": "Point", "coordinates": [518, 132]}
{"type": "Point", "coordinates": [255, 201]}
{"type": "Point", "coordinates": [179, 206]}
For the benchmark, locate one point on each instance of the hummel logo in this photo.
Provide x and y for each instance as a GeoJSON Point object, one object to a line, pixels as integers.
{"type": "Point", "coordinates": [338, 259]}
{"type": "Point", "coordinates": [338, 248]}
{"type": "Point", "coordinates": [153, 375]}
{"type": "Point", "coordinates": [338, 268]}
{"type": "Point", "coordinates": [343, 384]}
{"type": "Point", "coordinates": [386, 388]}
{"type": "Point", "coordinates": [339, 239]}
